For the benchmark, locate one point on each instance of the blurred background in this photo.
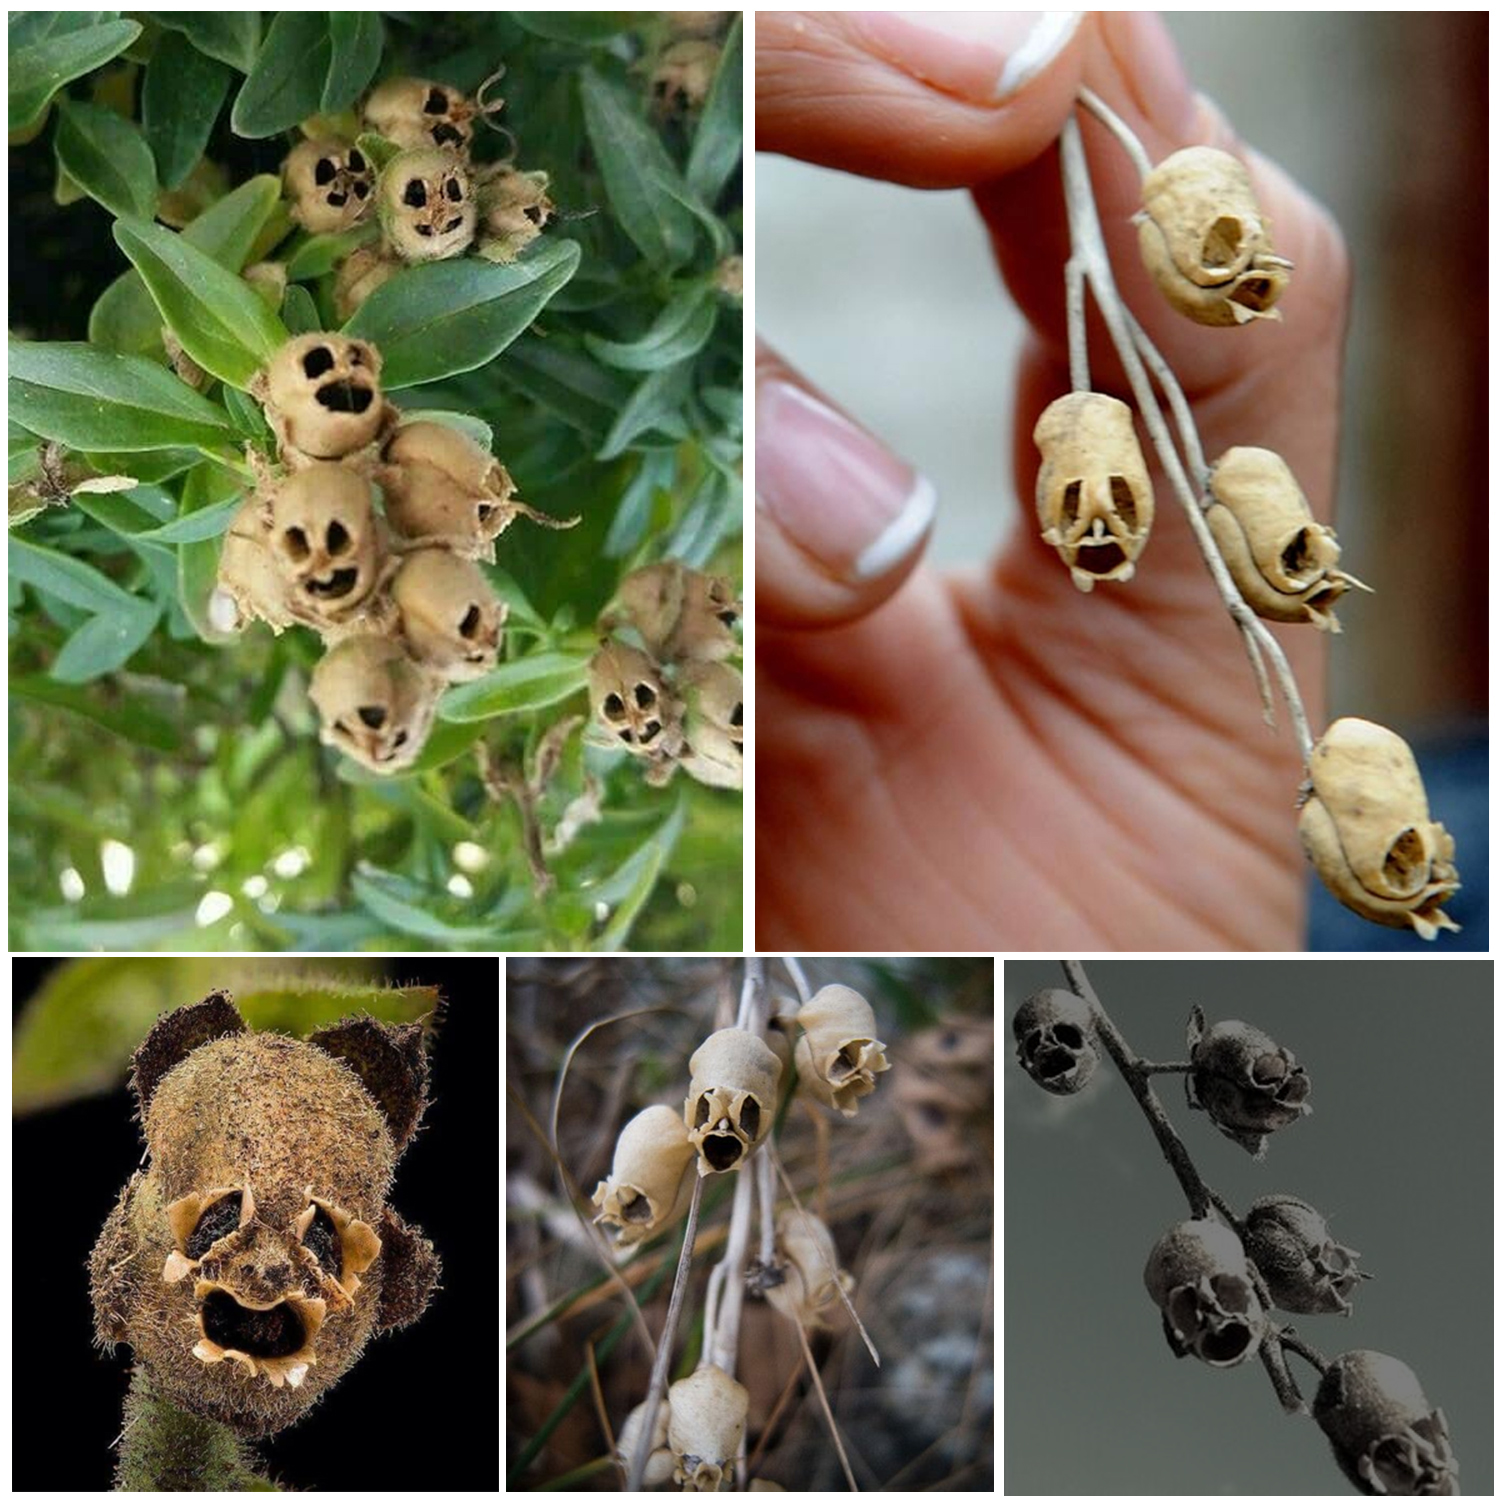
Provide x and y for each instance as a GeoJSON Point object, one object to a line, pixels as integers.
{"type": "Point", "coordinates": [1396, 1155]}
{"type": "Point", "coordinates": [1383, 117]}
{"type": "Point", "coordinates": [905, 1186]}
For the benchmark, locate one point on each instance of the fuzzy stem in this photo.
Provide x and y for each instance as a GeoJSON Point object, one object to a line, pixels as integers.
{"type": "Point", "coordinates": [164, 1448]}
{"type": "Point", "coordinates": [1298, 1346]}
{"type": "Point", "coordinates": [1273, 1357]}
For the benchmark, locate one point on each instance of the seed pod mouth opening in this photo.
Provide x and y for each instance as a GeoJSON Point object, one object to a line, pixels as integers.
{"type": "Point", "coordinates": [1224, 244]}
{"type": "Point", "coordinates": [264, 1333]}
{"type": "Point", "coordinates": [1101, 558]}
{"type": "Point", "coordinates": [1407, 862]}
{"type": "Point", "coordinates": [721, 1151]}
{"type": "Point", "coordinates": [345, 396]}
{"type": "Point", "coordinates": [1227, 1345]}
{"type": "Point", "coordinates": [336, 586]}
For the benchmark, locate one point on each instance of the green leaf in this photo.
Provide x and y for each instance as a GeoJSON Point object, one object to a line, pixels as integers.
{"type": "Point", "coordinates": [632, 517]}
{"type": "Point", "coordinates": [126, 718]}
{"type": "Point", "coordinates": [107, 157]}
{"type": "Point", "coordinates": [442, 319]}
{"type": "Point", "coordinates": [43, 65]}
{"type": "Point", "coordinates": [636, 171]}
{"type": "Point", "coordinates": [626, 891]}
{"type": "Point", "coordinates": [220, 321]}
{"type": "Point", "coordinates": [232, 36]}
{"type": "Point", "coordinates": [299, 312]}
{"type": "Point", "coordinates": [655, 404]}
{"type": "Point", "coordinates": [198, 526]}
{"type": "Point", "coordinates": [717, 142]}
{"type": "Point", "coordinates": [534, 681]}
{"type": "Point", "coordinates": [682, 328]}
{"type": "Point", "coordinates": [206, 489]}
{"type": "Point", "coordinates": [583, 28]}
{"type": "Point", "coordinates": [285, 85]}
{"type": "Point", "coordinates": [113, 923]}
{"type": "Point", "coordinates": [405, 906]}
{"type": "Point", "coordinates": [318, 254]}
{"type": "Point", "coordinates": [180, 101]}
{"type": "Point", "coordinates": [105, 642]}
{"type": "Point", "coordinates": [89, 398]}
{"type": "Point", "coordinates": [67, 578]}
{"type": "Point", "coordinates": [356, 44]}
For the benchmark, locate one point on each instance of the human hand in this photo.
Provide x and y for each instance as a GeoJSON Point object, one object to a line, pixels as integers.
{"type": "Point", "coordinates": [989, 759]}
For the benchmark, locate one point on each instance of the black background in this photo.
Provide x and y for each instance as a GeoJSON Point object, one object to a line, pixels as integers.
{"type": "Point", "coordinates": [419, 1411]}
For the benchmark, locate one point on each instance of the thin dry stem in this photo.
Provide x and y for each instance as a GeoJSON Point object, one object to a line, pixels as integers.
{"type": "Point", "coordinates": [1117, 128]}
{"type": "Point", "coordinates": [833, 1426]}
{"type": "Point", "coordinates": [799, 979]}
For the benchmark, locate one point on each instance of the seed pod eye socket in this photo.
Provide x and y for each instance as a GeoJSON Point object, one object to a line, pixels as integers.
{"type": "Point", "coordinates": [220, 1218]}
{"type": "Point", "coordinates": [453, 190]}
{"type": "Point", "coordinates": [470, 622]}
{"type": "Point", "coordinates": [338, 538]}
{"type": "Point", "coordinates": [372, 716]}
{"type": "Point", "coordinates": [415, 193]}
{"type": "Point", "coordinates": [325, 171]}
{"type": "Point", "coordinates": [437, 102]}
{"type": "Point", "coordinates": [356, 162]}
{"type": "Point", "coordinates": [295, 541]}
{"type": "Point", "coordinates": [645, 695]}
{"type": "Point", "coordinates": [317, 361]}
{"type": "Point", "coordinates": [614, 706]}
{"type": "Point", "coordinates": [447, 135]}
{"type": "Point", "coordinates": [323, 1239]}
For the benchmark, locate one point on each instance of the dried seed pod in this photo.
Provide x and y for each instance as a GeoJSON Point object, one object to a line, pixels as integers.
{"type": "Point", "coordinates": [1054, 1031]}
{"type": "Point", "coordinates": [443, 489]}
{"type": "Point", "coordinates": [731, 1098]}
{"type": "Point", "coordinates": [631, 703]}
{"type": "Point", "coordinates": [838, 1058]}
{"type": "Point", "coordinates": [1199, 1276]}
{"type": "Point", "coordinates": [513, 210]}
{"type": "Point", "coordinates": [1305, 1270]}
{"type": "Point", "coordinates": [713, 723]}
{"type": "Point", "coordinates": [1283, 561]}
{"type": "Point", "coordinates": [330, 183]}
{"type": "Point", "coordinates": [680, 613]}
{"type": "Point", "coordinates": [326, 540]}
{"type": "Point", "coordinates": [1366, 829]}
{"type": "Point", "coordinates": [705, 1424]}
{"type": "Point", "coordinates": [415, 112]}
{"type": "Point", "coordinates": [450, 615]}
{"type": "Point", "coordinates": [1205, 242]}
{"type": "Point", "coordinates": [660, 1464]}
{"type": "Point", "coordinates": [361, 273]}
{"type": "Point", "coordinates": [251, 584]}
{"type": "Point", "coordinates": [1248, 1086]}
{"type": "Point", "coordinates": [427, 208]}
{"type": "Point", "coordinates": [322, 395]}
{"type": "Point", "coordinates": [699, 23]}
{"type": "Point", "coordinates": [1093, 495]}
{"type": "Point", "coordinates": [375, 703]}
{"type": "Point", "coordinates": [649, 1185]}
{"type": "Point", "coordinates": [684, 75]}
{"type": "Point", "coordinates": [1386, 1436]}
{"type": "Point", "coordinates": [813, 1277]}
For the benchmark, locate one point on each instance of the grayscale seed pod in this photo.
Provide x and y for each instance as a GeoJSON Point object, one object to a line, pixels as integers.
{"type": "Point", "coordinates": [1248, 1086]}
{"type": "Point", "coordinates": [1199, 1276]}
{"type": "Point", "coordinates": [1054, 1031]}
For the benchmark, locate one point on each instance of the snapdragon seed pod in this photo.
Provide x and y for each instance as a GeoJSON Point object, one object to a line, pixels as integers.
{"type": "Point", "coordinates": [426, 205]}
{"type": "Point", "coordinates": [660, 1464]}
{"type": "Point", "coordinates": [681, 614]}
{"type": "Point", "coordinates": [513, 210]}
{"type": "Point", "coordinates": [322, 394]}
{"type": "Point", "coordinates": [705, 1423]}
{"type": "Point", "coordinates": [413, 112]}
{"type": "Point", "coordinates": [1305, 1269]}
{"type": "Point", "coordinates": [648, 1185]}
{"type": "Point", "coordinates": [713, 723]}
{"type": "Point", "coordinates": [1054, 1032]}
{"type": "Point", "coordinates": [813, 1277]}
{"type": "Point", "coordinates": [838, 1057]}
{"type": "Point", "coordinates": [1093, 495]}
{"type": "Point", "coordinates": [376, 704]}
{"type": "Point", "coordinates": [731, 1098]}
{"type": "Point", "coordinates": [1283, 561]}
{"type": "Point", "coordinates": [450, 615]}
{"type": "Point", "coordinates": [1367, 830]}
{"type": "Point", "coordinates": [331, 185]}
{"type": "Point", "coordinates": [1199, 1277]}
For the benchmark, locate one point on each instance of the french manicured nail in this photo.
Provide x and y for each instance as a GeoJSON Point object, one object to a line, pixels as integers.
{"type": "Point", "coordinates": [842, 497]}
{"type": "Point", "coordinates": [981, 55]}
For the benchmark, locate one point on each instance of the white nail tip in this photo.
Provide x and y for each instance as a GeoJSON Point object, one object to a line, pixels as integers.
{"type": "Point", "coordinates": [902, 535]}
{"type": "Point", "coordinates": [1043, 42]}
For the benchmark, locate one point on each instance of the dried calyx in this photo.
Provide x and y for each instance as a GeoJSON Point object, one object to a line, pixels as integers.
{"type": "Point", "coordinates": [427, 206]}
{"type": "Point", "coordinates": [706, 1415]}
{"type": "Point", "coordinates": [1305, 1269]}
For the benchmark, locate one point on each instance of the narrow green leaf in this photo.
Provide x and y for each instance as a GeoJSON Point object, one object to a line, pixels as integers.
{"type": "Point", "coordinates": [636, 169]}
{"type": "Point", "coordinates": [232, 36]}
{"type": "Point", "coordinates": [127, 719]}
{"type": "Point", "coordinates": [299, 312]}
{"type": "Point", "coordinates": [626, 891]}
{"type": "Point", "coordinates": [438, 320]}
{"type": "Point", "coordinates": [681, 329]}
{"type": "Point", "coordinates": [198, 527]}
{"type": "Point", "coordinates": [40, 68]}
{"type": "Point", "coordinates": [180, 100]}
{"type": "Point", "coordinates": [583, 28]}
{"type": "Point", "coordinates": [67, 578]}
{"type": "Point", "coordinates": [285, 84]}
{"type": "Point", "coordinates": [113, 923]}
{"type": "Point", "coordinates": [655, 405]}
{"type": "Point", "coordinates": [107, 157]}
{"type": "Point", "coordinates": [356, 45]}
{"type": "Point", "coordinates": [534, 681]}
{"type": "Point", "coordinates": [219, 320]}
{"type": "Point", "coordinates": [717, 142]}
{"type": "Point", "coordinates": [95, 400]}
{"type": "Point", "coordinates": [318, 254]}
{"type": "Point", "coordinates": [206, 489]}
{"type": "Point", "coordinates": [105, 643]}
{"type": "Point", "coordinates": [632, 518]}
{"type": "Point", "coordinates": [405, 906]}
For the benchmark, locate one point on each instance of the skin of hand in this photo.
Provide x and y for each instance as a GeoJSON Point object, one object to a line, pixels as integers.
{"type": "Point", "coordinates": [988, 759]}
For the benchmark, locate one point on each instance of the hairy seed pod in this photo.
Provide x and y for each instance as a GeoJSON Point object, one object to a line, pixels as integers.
{"type": "Point", "coordinates": [648, 1186]}
{"type": "Point", "coordinates": [813, 1277]}
{"type": "Point", "coordinates": [1304, 1269]}
{"type": "Point", "coordinates": [631, 703]}
{"type": "Point", "coordinates": [838, 1058]}
{"type": "Point", "coordinates": [731, 1098]}
{"type": "Point", "coordinates": [1054, 1031]}
{"type": "Point", "coordinates": [427, 208]}
{"type": "Point", "coordinates": [1283, 561]}
{"type": "Point", "coordinates": [713, 723]}
{"type": "Point", "coordinates": [330, 183]}
{"type": "Point", "coordinates": [251, 584]}
{"type": "Point", "coordinates": [705, 1424]}
{"type": "Point", "coordinates": [513, 210]}
{"type": "Point", "coordinates": [361, 273]}
{"type": "Point", "coordinates": [376, 705]}
{"type": "Point", "coordinates": [415, 112]}
{"type": "Point", "coordinates": [326, 540]}
{"type": "Point", "coordinates": [1199, 1277]}
{"type": "Point", "coordinates": [1093, 495]}
{"type": "Point", "coordinates": [660, 1464]}
{"type": "Point", "coordinates": [680, 613]}
{"type": "Point", "coordinates": [684, 75]}
{"type": "Point", "coordinates": [1386, 1436]}
{"type": "Point", "coordinates": [322, 395]}
{"type": "Point", "coordinates": [450, 615]}
{"type": "Point", "coordinates": [1248, 1086]}
{"type": "Point", "coordinates": [1205, 242]}
{"type": "Point", "coordinates": [1366, 828]}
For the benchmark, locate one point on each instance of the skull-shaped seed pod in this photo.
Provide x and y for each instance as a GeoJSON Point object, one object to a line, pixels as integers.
{"type": "Point", "coordinates": [1054, 1031]}
{"type": "Point", "coordinates": [427, 208]}
{"type": "Point", "coordinates": [330, 183]}
{"type": "Point", "coordinates": [1205, 242]}
{"type": "Point", "coordinates": [415, 112]}
{"type": "Point", "coordinates": [631, 703]}
{"type": "Point", "coordinates": [326, 539]}
{"type": "Point", "coordinates": [660, 1464]}
{"type": "Point", "coordinates": [705, 1425]}
{"type": "Point", "coordinates": [1366, 829]}
{"type": "Point", "coordinates": [450, 615]}
{"type": "Point", "coordinates": [251, 584]}
{"type": "Point", "coordinates": [1248, 1085]}
{"type": "Point", "coordinates": [729, 277]}
{"type": "Point", "coordinates": [1199, 1276]}
{"type": "Point", "coordinates": [838, 1058]}
{"type": "Point", "coordinates": [322, 395]}
{"type": "Point", "coordinates": [361, 273]}
{"type": "Point", "coordinates": [1093, 495]}
{"type": "Point", "coordinates": [1386, 1435]}
{"type": "Point", "coordinates": [731, 1098]}
{"type": "Point", "coordinates": [813, 1278]}
{"type": "Point", "coordinates": [699, 23]}
{"type": "Point", "coordinates": [682, 77]}
{"type": "Point", "coordinates": [649, 1184]}
{"type": "Point", "coordinates": [1304, 1268]}
{"type": "Point", "coordinates": [443, 489]}
{"type": "Point", "coordinates": [680, 613]}
{"type": "Point", "coordinates": [1283, 561]}
{"type": "Point", "coordinates": [513, 210]}
{"type": "Point", "coordinates": [375, 703]}
{"type": "Point", "coordinates": [713, 723]}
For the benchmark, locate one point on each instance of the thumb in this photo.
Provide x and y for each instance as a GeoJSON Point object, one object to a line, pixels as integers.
{"type": "Point", "coordinates": [840, 520]}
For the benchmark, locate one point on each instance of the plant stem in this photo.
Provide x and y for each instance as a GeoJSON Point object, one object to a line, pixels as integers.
{"type": "Point", "coordinates": [1273, 1357]}
{"type": "Point", "coordinates": [165, 1448]}
{"type": "Point", "coordinates": [1117, 128]}
{"type": "Point", "coordinates": [1298, 1346]}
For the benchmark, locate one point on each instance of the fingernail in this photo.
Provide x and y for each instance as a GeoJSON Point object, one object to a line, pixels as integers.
{"type": "Point", "coordinates": [984, 56]}
{"type": "Point", "coordinates": [843, 498]}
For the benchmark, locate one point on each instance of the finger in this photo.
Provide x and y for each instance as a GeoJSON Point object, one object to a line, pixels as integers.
{"type": "Point", "coordinates": [840, 519]}
{"type": "Point", "coordinates": [928, 99]}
